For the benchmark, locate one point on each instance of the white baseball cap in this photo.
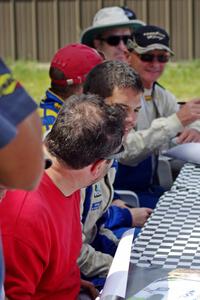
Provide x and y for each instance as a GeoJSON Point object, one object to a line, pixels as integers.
{"type": "Point", "coordinates": [108, 18]}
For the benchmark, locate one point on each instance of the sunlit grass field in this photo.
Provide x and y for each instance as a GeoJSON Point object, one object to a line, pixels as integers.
{"type": "Point", "coordinates": [182, 78]}
{"type": "Point", "coordinates": [34, 77]}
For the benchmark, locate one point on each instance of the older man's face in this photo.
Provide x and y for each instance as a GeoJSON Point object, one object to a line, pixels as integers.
{"type": "Point", "coordinates": [114, 52]}
{"type": "Point", "coordinates": [149, 71]}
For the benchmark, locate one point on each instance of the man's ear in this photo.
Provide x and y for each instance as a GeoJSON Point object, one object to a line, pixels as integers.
{"type": "Point", "coordinates": [96, 168]}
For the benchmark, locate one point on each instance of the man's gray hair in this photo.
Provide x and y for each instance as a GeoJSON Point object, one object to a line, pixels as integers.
{"type": "Point", "coordinates": [86, 130]}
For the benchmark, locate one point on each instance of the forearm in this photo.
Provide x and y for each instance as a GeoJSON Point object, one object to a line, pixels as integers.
{"type": "Point", "coordinates": [94, 263]}
{"type": "Point", "coordinates": [195, 125]}
{"type": "Point", "coordinates": [139, 144]}
{"type": "Point", "coordinates": [118, 217]}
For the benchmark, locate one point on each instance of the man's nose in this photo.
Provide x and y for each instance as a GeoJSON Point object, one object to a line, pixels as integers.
{"type": "Point", "coordinates": [155, 62]}
{"type": "Point", "coordinates": [122, 46]}
{"type": "Point", "coordinates": [131, 118]}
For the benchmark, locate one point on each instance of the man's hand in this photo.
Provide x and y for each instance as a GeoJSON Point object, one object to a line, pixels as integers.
{"type": "Point", "coordinates": [189, 135]}
{"type": "Point", "coordinates": [89, 288]}
{"type": "Point", "coordinates": [119, 203]}
{"type": "Point", "coordinates": [189, 112]}
{"type": "Point", "coordinates": [140, 215]}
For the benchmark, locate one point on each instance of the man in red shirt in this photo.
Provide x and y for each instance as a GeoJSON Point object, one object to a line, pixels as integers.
{"type": "Point", "coordinates": [41, 229]}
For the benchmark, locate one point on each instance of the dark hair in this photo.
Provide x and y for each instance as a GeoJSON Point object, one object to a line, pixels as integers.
{"type": "Point", "coordinates": [63, 91]}
{"type": "Point", "coordinates": [103, 78]}
{"type": "Point", "coordinates": [129, 13]}
{"type": "Point", "coordinates": [86, 129]}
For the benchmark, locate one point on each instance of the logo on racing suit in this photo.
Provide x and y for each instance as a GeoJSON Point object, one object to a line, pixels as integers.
{"type": "Point", "coordinates": [7, 84]}
{"type": "Point", "coordinates": [97, 194]}
{"type": "Point", "coordinates": [97, 190]}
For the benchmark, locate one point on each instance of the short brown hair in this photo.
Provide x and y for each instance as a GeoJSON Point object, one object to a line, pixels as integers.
{"type": "Point", "coordinates": [86, 129]}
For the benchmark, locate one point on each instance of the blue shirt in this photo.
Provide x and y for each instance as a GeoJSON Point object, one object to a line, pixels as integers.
{"type": "Point", "coordinates": [49, 108]}
{"type": "Point", "coordinates": [15, 105]}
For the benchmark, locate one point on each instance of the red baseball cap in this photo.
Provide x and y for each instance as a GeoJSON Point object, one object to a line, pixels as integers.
{"type": "Point", "coordinates": [75, 61]}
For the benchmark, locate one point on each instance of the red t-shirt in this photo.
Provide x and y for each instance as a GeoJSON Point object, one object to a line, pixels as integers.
{"type": "Point", "coordinates": [41, 236]}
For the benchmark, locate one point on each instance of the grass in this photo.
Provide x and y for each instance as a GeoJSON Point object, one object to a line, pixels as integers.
{"type": "Point", "coordinates": [34, 77]}
{"type": "Point", "coordinates": [181, 78]}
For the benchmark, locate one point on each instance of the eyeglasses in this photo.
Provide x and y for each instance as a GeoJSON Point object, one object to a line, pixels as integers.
{"type": "Point", "coordinates": [114, 40]}
{"type": "Point", "coordinates": [147, 57]}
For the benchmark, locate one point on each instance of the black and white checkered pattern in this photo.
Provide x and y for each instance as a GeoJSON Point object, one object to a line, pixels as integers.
{"type": "Point", "coordinates": [189, 177]}
{"type": "Point", "coordinates": [171, 236]}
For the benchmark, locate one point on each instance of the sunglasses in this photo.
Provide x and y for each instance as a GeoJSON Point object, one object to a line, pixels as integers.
{"type": "Point", "coordinates": [114, 40]}
{"type": "Point", "coordinates": [147, 57]}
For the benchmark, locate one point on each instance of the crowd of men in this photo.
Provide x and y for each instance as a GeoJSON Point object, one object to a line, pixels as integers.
{"type": "Point", "coordinates": [104, 119]}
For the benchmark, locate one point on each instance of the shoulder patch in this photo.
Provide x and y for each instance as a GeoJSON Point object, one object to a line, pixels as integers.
{"type": "Point", "coordinates": [96, 205]}
{"type": "Point", "coordinates": [7, 84]}
{"type": "Point", "coordinates": [97, 190]}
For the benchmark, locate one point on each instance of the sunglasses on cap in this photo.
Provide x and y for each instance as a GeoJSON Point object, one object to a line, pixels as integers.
{"type": "Point", "coordinates": [114, 40]}
{"type": "Point", "coordinates": [148, 57]}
